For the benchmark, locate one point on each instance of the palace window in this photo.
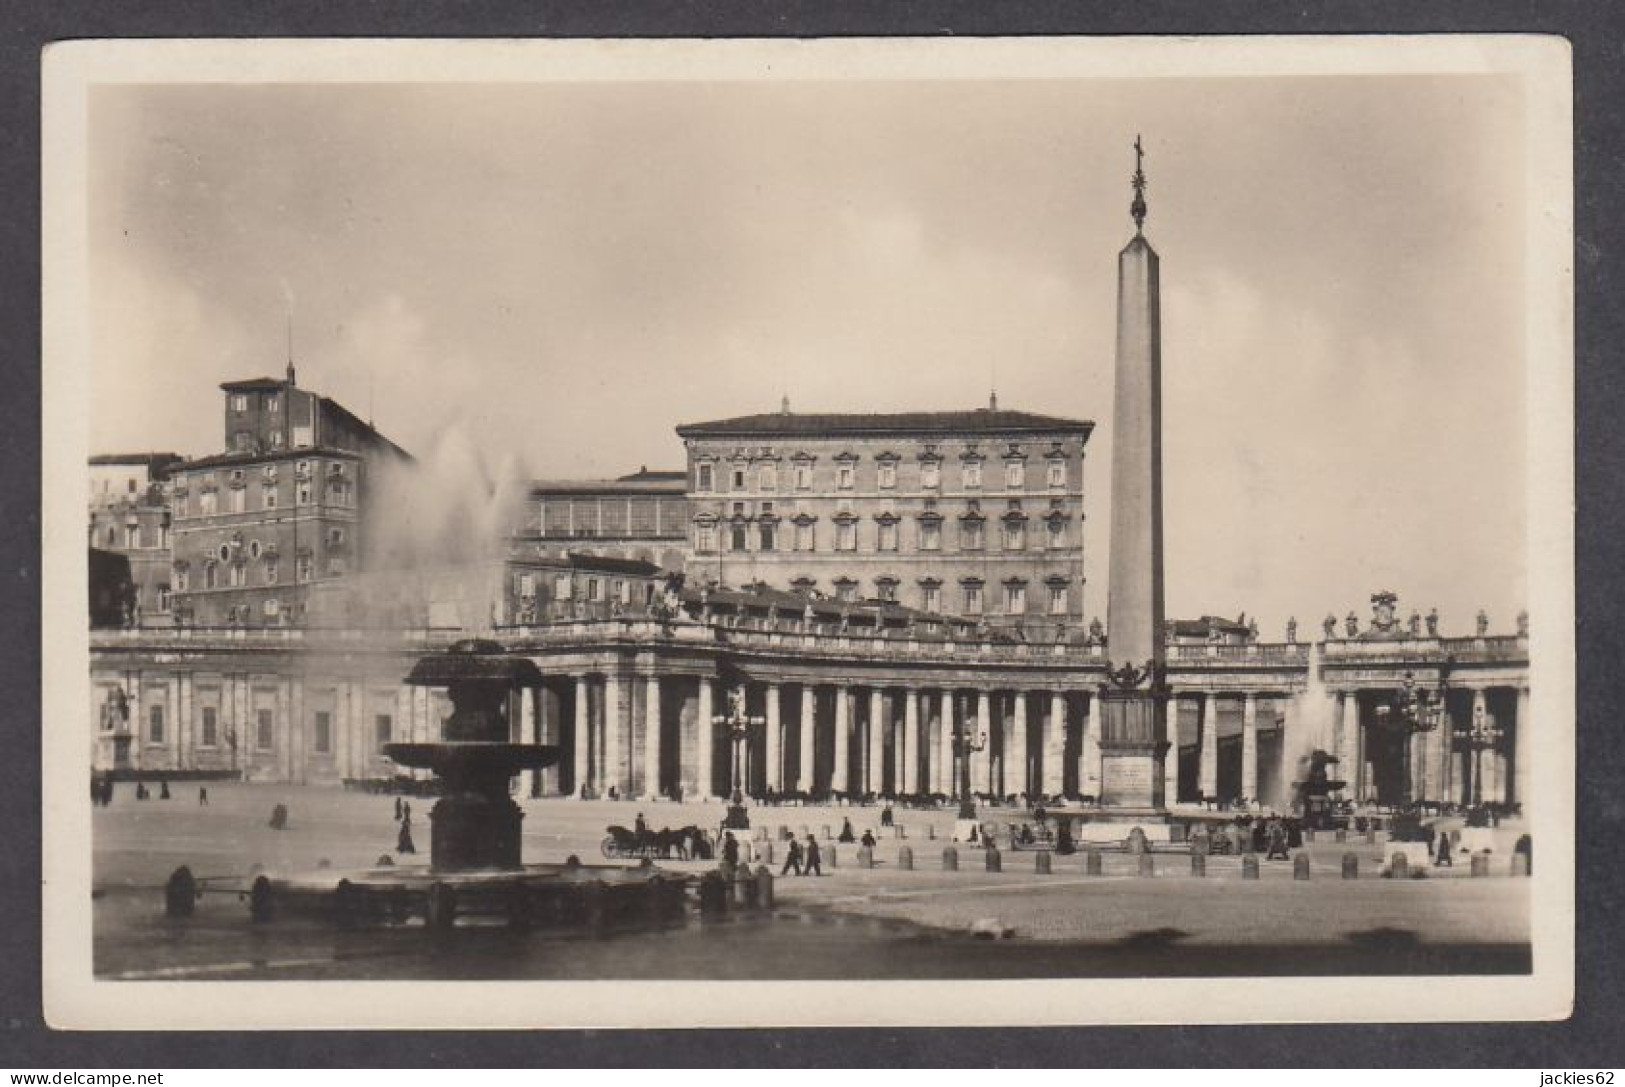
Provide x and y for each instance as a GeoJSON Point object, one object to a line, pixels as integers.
{"type": "Point", "coordinates": [887, 474]}
{"type": "Point", "coordinates": [737, 538]}
{"type": "Point", "coordinates": [1015, 535]}
{"type": "Point", "coordinates": [804, 477]}
{"type": "Point", "coordinates": [383, 730]}
{"type": "Point", "coordinates": [846, 590]}
{"type": "Point", "coordinates": [1015, 598]}
{"type": "Point", "coordinates": [931, 475]}
{"type": "Point", "coordinates": [970, 534]}
{"type": "Point", "coordinates": [704, 480]}
{"type": "Point", "coordinates": [302, 494]}
{"type": "Point", "coordinates": [302, 567]}
{"type": "Point", "coordinates": [211, 574]}
{"type": "Point", "coordinates": [211, 727]}
{"type": "Point", "coordinates": [527, 586]}
{"type": "Point", "coordinates": [268, 496]}
{"type": "Point", "coordinates": [273, 570]}
{"type": "Point", "coordinates": [705, 537]}
{"type": "Point", "coordinates": [886, 588]}
{"type": "Point", "coordinates": [239, 500]}
{"type": "Point", "coordinates": [271, 608]}
{"type": "Point", "coordinates": [264, 730]}
{"type": "Point", "coordinates": [888, 536]}
{"type": "Point", "coordinates": [1015, 473]}
{"type": "Point", "coordinates": [593, 593]}
{"type": "Point", "coordinates": [1057, 599]}
{"type": "Point", "coordinates": [766, 537]}
{"type": "Point", "coordinates": [971, 473]}
{"type": "Point", "coordinates": [239, 403]}
{"type": "Point", "coordinates": [1055, 532]}
{"type": "Point", "coordinates": [163, 598]}
{"type": "Point", "coordinates": [208, 503]}
{"type": "Point", "coordinates": [237, 575]}
{"type": "Point", "coordinates": [563, 587]}
{"type": "Point", "coordinates": [844, 477]}
{"type": "Point", "coordinates": [767, 477]}
{"type": "Point", "coordinates": [931, 596]}
{"type": "Point", "coordinates": [846, 536]}
{"type": "Point", "coordinates": [323, 732]}
{"type": "Point", "coordinates": [804, 536]}
{"type": "Point", "coordinates": [973, 598]}
{"type": "Point", "coordinates": [155, 725]}
{"type": "Point", "coordinates": [1057, 473]}
{"type": "Point", "coordinates": [930, 535]}
{"type": "Point", "coordinates": [739, 479]}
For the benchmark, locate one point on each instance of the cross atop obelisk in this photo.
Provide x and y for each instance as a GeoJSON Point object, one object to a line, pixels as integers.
{"type": "Point", "coordinates": [1137, 209]}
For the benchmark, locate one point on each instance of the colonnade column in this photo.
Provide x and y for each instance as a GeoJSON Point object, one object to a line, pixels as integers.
{"type": "Point", "coordinates": [1522, 751]}
{"type": "Point", "coordinates": [530, 780]}
{"type": "Point", "coordinates": [911, 742]}
{"type": "Point", "coordinates": [775, 748]}
{"type": "Point", "coordinates": [612, 772]}
{"type": "Point", "coordinates": [1089, 754]}
{"type": "Point", "coordinates": [583, 734]}
{"type": "Point", "coordinates": [1054, 745]}
{"type": "Point", "coordinates": [942, 769]}
{"type": "Point", "coordinates": [809, 723]}
{"type": "Point", "coordinates": [874, 763]}
{"type": "Point", "coordinates": [1348, 740]}
{"type": "Point", "coordinates": [843, 741]}
{"type": "Point", "coordinates": [1249, 747]}
{"type": "Point", "coordinates": [704, 769]}
{"type": "Point", "coordinates": [980, 771]}
{"type": "Point", "coordinates": [651, 738]}
{"type": "Point", "coordinates": [1208, 780]}
{"type": "Point", "coordinates": [1015, 748]}
{"type": "Point", "coordinates": [1170, 765]}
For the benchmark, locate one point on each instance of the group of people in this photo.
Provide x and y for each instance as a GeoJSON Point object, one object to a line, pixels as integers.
{"type": "Point", "coordinates": [1272, 836]}
{"type": "Point", "coordinates": [806, 861]}
{"type": "Point", "coordinates": [101, 790]}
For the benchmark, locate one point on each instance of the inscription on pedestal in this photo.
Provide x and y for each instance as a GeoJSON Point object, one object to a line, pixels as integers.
{"type": "Point", "coordinates": [1130, 780]}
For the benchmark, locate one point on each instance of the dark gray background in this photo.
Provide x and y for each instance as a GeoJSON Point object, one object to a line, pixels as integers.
{"type": "Point", "coordinates": [1590, 1039]}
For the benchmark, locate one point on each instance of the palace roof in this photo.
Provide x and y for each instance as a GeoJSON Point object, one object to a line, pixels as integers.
{"type": "Point", "coordinates": [946, 423]}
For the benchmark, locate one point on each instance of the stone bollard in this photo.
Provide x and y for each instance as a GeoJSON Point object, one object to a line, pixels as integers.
{"type": "Point", "coordinates": [1041, 863]}
{"type": "Point", "coordinates": [260, 906]}
{"type": "Point", "coordinates": [1198, 864]}
{"type": "Point", "coordinates": [180, 893]}
{"type": "Point", "coordinates": [899, 831]}
{"type": "Point", "coordinates": [1249, 866]}
{"type": "Point", "coordinates": [1399, 867]}
{"type": "Point", "coordinates": [1091, 862]}
{"type": "Point", "coordinates": [1148, 865]}
{"type": "Point", "coordinates": [1340, 835]}
{"type": "Point", "coordinates": [832, 857]}
{"type": "Point", "coordinates": [995, 860]}
{"type": "Point", "coordinates": [764, 887]}
{"type": "Point", "coordinates": [1520, 864]}
{"type": "Point", "coordinates": [950, 859]}
{"type": "Point", "coordinates": [905, 859]}
{"type": "Point", "coordinates": [1480, 864]}
{"type": "Point", "coordinates": [1300, 866]}
{"type": "Point", "coordinates": [866, 857]}
{"type": "Point", "coordinates": [827, 835]}
{"type": "Point", "coordinates": [1351, 866]}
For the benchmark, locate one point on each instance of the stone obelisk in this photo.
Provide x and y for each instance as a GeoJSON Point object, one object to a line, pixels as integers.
{"type": "Point", "coordinates": [1133, 700]}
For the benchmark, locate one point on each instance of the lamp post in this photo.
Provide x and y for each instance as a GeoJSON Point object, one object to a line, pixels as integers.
{"type": "Point", "coordinates": [738, 723]}
{"type": "Point", "coordinates": [965, 746]}
{"type": "Point", "coordinates": [1420, 709]}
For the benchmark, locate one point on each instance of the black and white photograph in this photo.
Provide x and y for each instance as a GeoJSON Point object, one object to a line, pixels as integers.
{"type": "Point", "coordinates": [751, 533]}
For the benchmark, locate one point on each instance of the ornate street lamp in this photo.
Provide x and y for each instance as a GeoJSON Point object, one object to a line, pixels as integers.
{"type": "Point", "coordinates": [964, 747]}
{"type": "Point", "coordinates": [738, 723]}
{"type": "Point", "coordinates": [1420, 709]}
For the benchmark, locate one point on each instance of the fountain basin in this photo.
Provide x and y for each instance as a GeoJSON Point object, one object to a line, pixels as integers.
{"type": "Point", "coordinates": [470, 757]}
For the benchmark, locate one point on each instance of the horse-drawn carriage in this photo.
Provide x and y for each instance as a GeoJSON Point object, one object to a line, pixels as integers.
{"type": "Point", "coordinates": [684, 843]}
{"type": "Point", "coordinates": [1025, 836]}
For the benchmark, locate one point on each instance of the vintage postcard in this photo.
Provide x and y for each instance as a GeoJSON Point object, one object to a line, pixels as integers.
{"type": "Point", "coordinates": [862, 532]}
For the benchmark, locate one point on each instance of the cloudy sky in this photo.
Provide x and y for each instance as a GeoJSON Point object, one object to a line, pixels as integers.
{"type": "Point", "coordinates": [555, 275]}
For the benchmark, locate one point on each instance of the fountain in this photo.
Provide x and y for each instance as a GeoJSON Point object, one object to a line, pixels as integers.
{"type": "Point", "coordinates": [475, 865]}
{"type": "Point", "coordinates": [1314, 792]}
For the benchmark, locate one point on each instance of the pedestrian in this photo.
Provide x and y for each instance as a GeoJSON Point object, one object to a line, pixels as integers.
{"type": "Point", "coordinates": [403, 840]}
{"type": "Point", "coordinates": [730, 850]}
{"type": "Point", "coordinates": [1276, 834]}
{"type": "Point", "coordinates": [868, 838]}
{"type": "Point", "coordinates": [886, 816]}
{"type": "Point", "coordinates": [203, 796]}
{"type": "Point", "coordinates": [640, 830]}
{"type": "Point", "coordinates": [397, 809]}
{"type": "Point", "coordinates": [163, 789]}
{"type": "Point", "coordinates": [812, 866]}
{"type": "Point", "coordinates": [792, 858]}
{"type": "Point", "coordinates": [846, 834]}
{"type": "Point", "coordinates": [279, 817]}
{"type": "Point", "coordinates": [1442, 858]}
{"type": "Point", "coordinates": [406, 811]}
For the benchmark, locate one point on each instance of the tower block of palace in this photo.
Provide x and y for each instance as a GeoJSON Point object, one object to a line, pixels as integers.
{"type": "Point", "coordinates": [1133, 700]}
